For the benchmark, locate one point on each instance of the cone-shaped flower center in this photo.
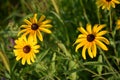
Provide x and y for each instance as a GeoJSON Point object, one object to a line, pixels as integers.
{"type": "Point", "coordinates": [34, 26]}
{"type": "Point", "coordinates": [90, 37]}
{"type": "Point", "coordinates": [108, 0]}
{"type": "Point", "coordinates": [26, 49]}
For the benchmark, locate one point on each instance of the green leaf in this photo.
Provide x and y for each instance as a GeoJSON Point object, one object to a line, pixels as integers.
{"type": "Point", "coordinates": [99, 67]}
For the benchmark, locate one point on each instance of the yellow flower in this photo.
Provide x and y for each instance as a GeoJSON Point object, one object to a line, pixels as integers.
{"type": "Point", "coordinates": [90, 38]}
{"type": "Point", "coordinates": [118, 24]}
{"type": "Point", "coordinates": [25, 50]}
{"type": "Point", "coordinates": [107, 4]}
{"type": "Point", "coordinates": [34, 27]}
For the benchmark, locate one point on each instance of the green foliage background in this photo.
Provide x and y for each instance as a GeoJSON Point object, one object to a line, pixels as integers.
{"type": "Point", "coordinates": [57, 59]}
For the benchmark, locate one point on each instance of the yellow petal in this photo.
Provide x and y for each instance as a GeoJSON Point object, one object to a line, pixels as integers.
{"type": "Point", "coordinates": [80, 45]}
{"type": "Point", "coordinates": [118, 27]}
{"type": "Point", "coordinates": [101, 33]}
{"type": "Point", "coordinates": [18, 58]}
{"type": "Point", "coordinates": [90, 53]}
{"type": "Point", "coordinates": [94, 49]}
{"type": "Point", "coordinates": [89, 28]}
{"type": "Point", "coordinates": [82, 36]}
{"type": "Point", "coordinates": [24, 40]}
{"type": "Point", "coordinates": [39, 35]}
{"type": "Point", "coordinates": [103, 7]}
{"type": "Point", "coordinates": [17, 46]}
{"type": "Point", "coordinates": [36, 51]}
{"type": "Point", "coordinates": [100, 27]}
{"type": "Point", "coordinates": [84, 51]}
{"type": "Point", "coordinates": [32, 57]}
{"type": "Point", "coordinates": [80, 40]}
{"type": "Point", "coordinates": [46, 21]}
{"type": "Point", "coordinates": [100, 44]}
{"type": "Point", "coordinates": [99, 3]}
{"type": "Point", "coordinates": [46, 26]}
{"type": "Point", "coordinates": [45, 30]}
{"type": "Point", "coordinates": [31, 20]}
{"type": "Point", "coordinates": [16, 41]}
{"type": "Point", "coordinates": [116, 1]}
{"type": "Point", "coordinates": [82, 30]}
{"type": "Point", "coordinates": [95, 28]}
{"type": "Point", "coordinates": [17, 51]}
{"type": "Point", "coordinates": [113, 4]}
{"type": "Point", "coordinates": [23, 60]}
{"type": "Point", "coordinates": [35, 38]}
{"type": "Point", "coordinates": [35, 18]}
{"type": "Point", "coordinates": [41, 18]}
{"type": "Point", "coordinates": [108, 6]}
{"type": "Point", "coordinates": [32, 37]}
{"type": "Point", "coordinates": [25, 26]}
{"type": "Point", "coordinates": [27, 22]}
{"type": "Point", "coordinates": [26, 33]}
{"type": "Point", "coordinates": [118, 24]}
{"type": "Point", "coordinates": [36, 46]}
{"type": "Point", "coordinates": [28, 58]}
{"type": "Point", "coordinates": [103, 39]}
{"type": "Point", "coordinates": [22, 31]}
{"type": "Point", "coordinates": [19, 41]}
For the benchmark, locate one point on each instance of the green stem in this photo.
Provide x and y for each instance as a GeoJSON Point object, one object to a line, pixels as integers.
{"type": "Point", "coordinates": [62, 46]}
{"type": "Point", "coordinates": [95, 73]}
{"type": "Point", "coordinates": [110, 66]}
{"type": "Point", "coordinates": [110, 15]}
{"type": "Point", "coordinates": [72, 64]}
{"type": "Point", "coordinates": [98, 15]}
{"type": "Point", "coordinates": [84, 12]}
{"type": "Point", "coordinates": [114, 45]}
{"type": "Point", "coordinates": [91, 71]}
{"type": "Point", "coordinates": [55, 6]}
{"type": "Point", "coordinates": [113, 34]}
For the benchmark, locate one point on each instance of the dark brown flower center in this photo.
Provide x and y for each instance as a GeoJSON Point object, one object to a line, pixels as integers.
{"type": "Point", "coordinates": [26, 49]}
{"type": "Point", "coordinates": [90, 37]}
{"type": "Point", "coordinates": [108, 0]}
{"type": "Point", "coordinates": [34, 26]}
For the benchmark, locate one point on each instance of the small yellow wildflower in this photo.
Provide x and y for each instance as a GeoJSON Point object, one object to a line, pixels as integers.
{"type": "Point", "coordinates": [90, 38]}
{"type": "Point", "coordinates": [34, 27]}
{"type": "Point", "coordinates": [25, 50]}
{"type": "Point", "coordinates": [107, 4]}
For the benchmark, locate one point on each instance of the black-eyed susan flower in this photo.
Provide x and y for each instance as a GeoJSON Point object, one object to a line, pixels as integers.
{"type": "Point", "coordinates": [34, 27]}
{"type": "Point", "coordinates": [106, 4]}
{"type": "Point", "coordinates": [118, 24]}
{"type": "Point", "coordinates": [90, 39]}
{"type": "Point", "coordinates": [25, 49]}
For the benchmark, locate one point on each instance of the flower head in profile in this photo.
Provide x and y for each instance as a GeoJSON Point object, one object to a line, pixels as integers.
{"type": "Point", "coordinates": [34, 27]}
{"type": "Point", "coordinates": [107, 4]}
{"type": "Point", "coordinates": [118, 24]}
{"type": "Point", "coordinates": [25, 50]}
{"type": "Point", "coordinates": [90, 39]}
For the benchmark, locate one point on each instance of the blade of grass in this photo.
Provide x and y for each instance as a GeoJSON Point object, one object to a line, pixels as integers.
{"type": "Point", "coordinates": [55, 6]}
{"type": "Point", "coordinates": [5, 61]}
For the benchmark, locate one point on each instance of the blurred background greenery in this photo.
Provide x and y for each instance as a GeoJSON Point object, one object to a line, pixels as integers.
{"type": "Point", "coordinates": [57, 59]}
